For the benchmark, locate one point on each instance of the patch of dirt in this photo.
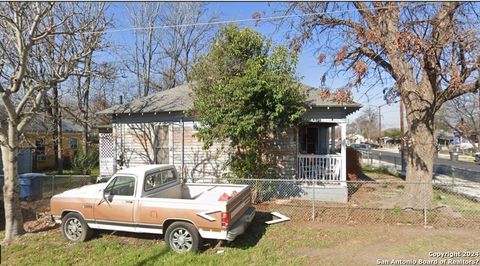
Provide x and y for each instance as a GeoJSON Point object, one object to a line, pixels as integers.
{"type": "Point", "coordinates": [35, 215]}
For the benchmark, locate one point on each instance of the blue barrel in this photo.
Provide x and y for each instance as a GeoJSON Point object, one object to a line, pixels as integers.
{"type": "Point", "coordinates": [31, 186]}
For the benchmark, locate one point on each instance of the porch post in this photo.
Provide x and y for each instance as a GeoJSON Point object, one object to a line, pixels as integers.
{"type": "Point", "coordinates": [343, 172]}
{"type": "Point", "coordinates": [332, 140]}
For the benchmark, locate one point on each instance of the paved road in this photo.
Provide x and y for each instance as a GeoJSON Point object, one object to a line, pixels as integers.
{"type": "Point", "coordinates": [390, 157]}
{"type": "Point", "coordinates": [457, 169]}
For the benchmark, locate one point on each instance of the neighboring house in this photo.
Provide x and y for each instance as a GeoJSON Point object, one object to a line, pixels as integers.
{"type": "Point", "coordinates": [40, 138]}
{"type": "Point", "coordinates": [155, 129]}
{"type": "Point", "coordinates": [37, 146]}
{"type": "Point", "coordinates": [355, 139]}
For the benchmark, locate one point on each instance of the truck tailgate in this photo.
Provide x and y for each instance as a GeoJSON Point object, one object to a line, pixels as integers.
{"type": "Point", "coordinates": [239, 204]}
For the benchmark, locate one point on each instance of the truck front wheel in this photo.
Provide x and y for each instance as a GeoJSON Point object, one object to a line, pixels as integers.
{"type": "Point", "coordinates": [182, 237]}
{"type": "Point", "coordinates": [75, 229]}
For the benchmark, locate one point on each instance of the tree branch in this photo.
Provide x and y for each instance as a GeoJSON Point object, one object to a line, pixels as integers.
{"type": "Point", "coordinates": [372, 55]}
{"type": "Point", "coordinates": [366, 14]}
{"type": "Point", "coordinates": [452, 92]}
{"type": "Point", "coordinates": [36, 105]}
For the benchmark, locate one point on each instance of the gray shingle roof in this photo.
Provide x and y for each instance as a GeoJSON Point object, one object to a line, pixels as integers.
{"type": "Point", "coordinates": [314, 99]}
{"type": "Point", "coordinates": [39, 125]}
{"type": "Point", "coordinates": [175, 99]}
{"type": "Point", "coordinates": [181, 98]}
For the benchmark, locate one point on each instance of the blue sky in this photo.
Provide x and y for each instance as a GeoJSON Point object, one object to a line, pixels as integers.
{"type": "Point", "coordinates": [307, 68]}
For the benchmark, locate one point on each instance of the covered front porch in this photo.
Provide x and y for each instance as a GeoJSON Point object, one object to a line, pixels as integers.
{"type": "Point", "coordinates": [321, 153]}
{"type": "Point", "coordinates": [321, 159]}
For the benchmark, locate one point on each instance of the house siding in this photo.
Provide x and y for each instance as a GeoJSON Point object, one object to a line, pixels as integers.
{"type": "Point", "coordinates": [282, 154]}
{"type": "Point", "coordinates": [281, 151]}
{"type": "Point", "coordinates": [132, 142]}
{"type": "Point", "coordinates": [198, 162]}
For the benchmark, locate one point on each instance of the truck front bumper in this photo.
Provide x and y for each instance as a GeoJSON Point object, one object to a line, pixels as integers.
{"type": "Point", "coordinates": [241, 225]}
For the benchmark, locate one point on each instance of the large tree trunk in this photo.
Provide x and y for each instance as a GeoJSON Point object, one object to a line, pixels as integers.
{"type": "Point", "coordinates": [11, 188]}
{"type": "Point", "coordinates": [420, 167]}
{"type": "Point", "coordinates": [421, 151]}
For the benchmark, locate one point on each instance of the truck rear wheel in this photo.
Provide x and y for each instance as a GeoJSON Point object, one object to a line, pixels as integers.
{"type": "Point", "coordinates": [75, 229]}
{"type": "Point", "coordinates": [182, 237]}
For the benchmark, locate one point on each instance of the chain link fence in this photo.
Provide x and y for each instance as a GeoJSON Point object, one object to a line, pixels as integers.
{"type": "Point", "coordinates": [348, 202]}
{"type": "Point", "coordinates": [365, 202]}
{"type": "Point", "coordinates": [389, 163]}
{"type": "Point", "coordinates": [54, 184]}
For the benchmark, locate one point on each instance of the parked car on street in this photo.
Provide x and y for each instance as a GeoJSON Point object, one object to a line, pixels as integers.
{"type": "Point", "coordinates": [374, 146]}
{"type": "Point", "coordinates": [477, 157]}
{"type": "Point", "coordinates": [361, 147]}
{"type": "Point", "coordinates": [153, 199]}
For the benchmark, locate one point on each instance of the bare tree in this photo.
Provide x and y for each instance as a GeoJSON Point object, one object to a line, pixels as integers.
{"type": "Point", "coordinates": [462, 115]}
{"type": "Point", "coordinates": [366, 123]}
{"type": "Point", "coordinates": [53, 110]}
{"type": "Point", "coordinates": [429, 50]}
{"type": "Point", "coordinates": [94, 87]}
{"type": "Point", "coordinates": [80, 84]}
{"type": "Point", "coordinates": [168, 41]}
{"type": "Point", "coordinates": [182, 46]}
{"type": "Point", "coordinates": [27, 73]}
{"type": "Point", "coordinates": [144, 57]}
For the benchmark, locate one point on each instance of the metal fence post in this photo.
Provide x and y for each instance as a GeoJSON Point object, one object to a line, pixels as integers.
{"type": "Point", "coordinates": [53, 185]}
{"type": "Point", "coordinates": [453, 176]}
{"type": "Point", "coordinates": [313, 201]}
{"type": "Point", "coordinates": [347, 211]}
{"type": "Point", "coordinates": [425, 204]}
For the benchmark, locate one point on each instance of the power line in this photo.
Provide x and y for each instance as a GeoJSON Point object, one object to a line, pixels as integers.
{"type": "Point", "coordinates": [232, 21]}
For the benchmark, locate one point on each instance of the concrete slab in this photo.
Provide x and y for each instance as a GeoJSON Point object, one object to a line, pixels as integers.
{"type": "Point", "coordinates": [338, 194]}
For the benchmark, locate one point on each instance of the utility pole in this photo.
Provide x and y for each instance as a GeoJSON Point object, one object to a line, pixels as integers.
{"type": "Point", "coordinates": [379, 124]}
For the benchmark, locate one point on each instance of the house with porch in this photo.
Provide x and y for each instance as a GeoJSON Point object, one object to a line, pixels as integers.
{"type": "Point", "coordinates": [156, 129]}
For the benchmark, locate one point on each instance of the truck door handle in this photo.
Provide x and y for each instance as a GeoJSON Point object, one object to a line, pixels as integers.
{"type": "Point", "coordinates": [129, 201]}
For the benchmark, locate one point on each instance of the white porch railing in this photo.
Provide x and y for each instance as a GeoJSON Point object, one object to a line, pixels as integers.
{"type": "Point", "coordinates": [320, 167]}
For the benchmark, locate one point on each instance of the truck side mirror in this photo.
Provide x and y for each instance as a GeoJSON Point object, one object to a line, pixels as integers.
{"type": "Point", "coordinates": [107, 196]}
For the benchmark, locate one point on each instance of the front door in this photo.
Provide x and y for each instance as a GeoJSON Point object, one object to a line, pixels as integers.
{"type": "Point", "coordinates": [118, 203]}
{"type": "Point", "coordinates": [309, 136]}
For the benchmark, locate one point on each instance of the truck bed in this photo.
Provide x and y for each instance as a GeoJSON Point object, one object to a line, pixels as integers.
{"type": "Point", "coordinates": [199, 192]}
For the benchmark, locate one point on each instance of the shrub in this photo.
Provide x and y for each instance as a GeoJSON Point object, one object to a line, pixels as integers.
{"type": "Point", "coordinates": [83, 163]}
{"type": "Point", "coordinates": [354, 167]}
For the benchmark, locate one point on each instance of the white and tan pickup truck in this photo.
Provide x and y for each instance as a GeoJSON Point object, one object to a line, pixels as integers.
{"type": "Point", "coordinates": [153, 199]}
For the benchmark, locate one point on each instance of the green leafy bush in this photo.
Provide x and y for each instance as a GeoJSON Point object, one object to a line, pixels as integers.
{"type": "Point", "coordinates": [84, 162]}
